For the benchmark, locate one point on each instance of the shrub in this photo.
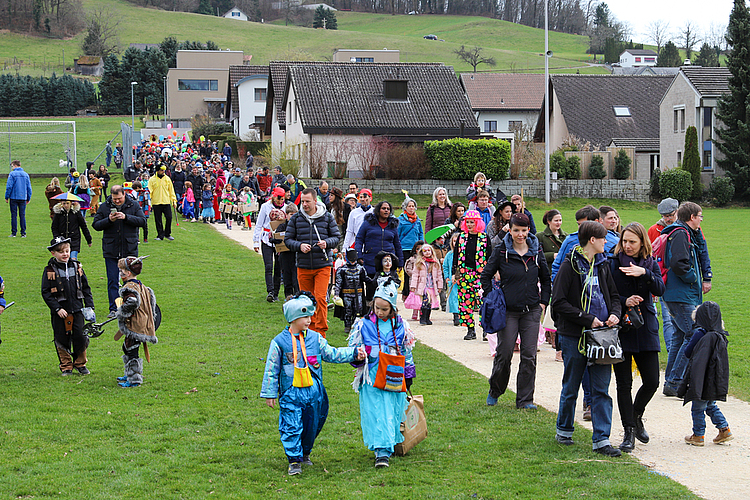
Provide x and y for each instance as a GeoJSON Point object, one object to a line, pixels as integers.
{"type": "Point", "coordinates": [454, 159]}
{"type": "Point", "coordinates": [202, 126]}
{"type": "Point", "coordinates": [622, 165]}
{"type": "Point", "coordinates": [405, 162]}
{"type": "Point", "coordinates": [721, 191]}
{"type": "Point", "coordinates": [692, 161]}
{"type": "Point", "coordinates": [573, 167]}
{"type": "Point", "coordinates": [654, 183]}
{"type": "Point", "coordinates": [675, 183]}
{"type": "Point", "coordinates": [557, 164]}
{"type": "Point", "coordinates": [596, 168]}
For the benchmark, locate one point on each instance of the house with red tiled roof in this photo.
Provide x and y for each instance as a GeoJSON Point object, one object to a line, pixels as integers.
{"type": "Point", "coordinates": [504, 103]}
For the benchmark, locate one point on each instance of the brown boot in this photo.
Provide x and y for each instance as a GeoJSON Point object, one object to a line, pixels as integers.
{"type": "Point", "coordinates": [694, 440]}
{"type": "Point", "coordinates": [724, 436]}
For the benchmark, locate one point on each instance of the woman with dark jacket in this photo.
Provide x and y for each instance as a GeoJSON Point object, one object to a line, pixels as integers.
{"type": "Point", "coordinates": [526, 284]}
{"type": "Point", "coordinates": [553, 236]}
{"type": "Point", "coordinates": [378, 232]}
{"type": "Point", "coordinates": [637, 277]}
{"type": "Point", "coordinates": [103, 177]}
{"type": "Point", "coordinates": [584, 296]}
{"type": "Point", "coordinates": [500, 223]}
{"type": "Point", "coordinates": [68, 222]}
{"type": "Point", "coordinates": [439, 210]}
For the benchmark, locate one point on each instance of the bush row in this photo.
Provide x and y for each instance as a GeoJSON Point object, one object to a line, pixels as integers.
{"type": "Point", "coordinates": [453, 159]}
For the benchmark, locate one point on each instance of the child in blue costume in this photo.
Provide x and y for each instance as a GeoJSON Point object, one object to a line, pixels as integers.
{"type": "Point", "coordinates": [381, 411]}
{"type": "Point", "coordinates": [302, 410]}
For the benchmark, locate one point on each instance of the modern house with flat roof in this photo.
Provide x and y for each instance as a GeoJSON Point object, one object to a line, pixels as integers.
{"type": "Point", "coordinates": [198, 85]}
{"type": "Point", "coordinates": [365, 56]}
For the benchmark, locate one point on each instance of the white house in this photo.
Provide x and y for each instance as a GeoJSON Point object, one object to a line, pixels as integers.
{"type": "Point", "coordinates": [691, 99]}
{"type": "Point", "coordinates": [246, 99]}
{"type": "Point", "coordinates": [632, 58]}
{"type": "Point", "coordinates": [236, 13]}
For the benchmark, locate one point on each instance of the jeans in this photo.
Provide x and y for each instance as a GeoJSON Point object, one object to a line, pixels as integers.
{"type": "Point", "coordinates": [574, 364]}
{"type": "Point", "coordinates": [683, 331]}
{"type": "Point", "coordinates": [113, 282]}
{"type": "Point", "coordinates": [648, 365]}
{"type": "Point", "coordinates": [273, 269]}
{"type": "Point", "coordinates": [163, 231]}
{"type": "Point", "coordinates": [17, 208]}
{"type": "Point", "coordinates": [525, 324]}
{"type": "Point", "coordinates": [666, 325]}
{"type": "Point", "coordinates": [702, 408]}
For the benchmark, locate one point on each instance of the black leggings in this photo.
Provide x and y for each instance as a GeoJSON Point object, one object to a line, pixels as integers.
{"type": "Point", "coordinates": [648, 365]}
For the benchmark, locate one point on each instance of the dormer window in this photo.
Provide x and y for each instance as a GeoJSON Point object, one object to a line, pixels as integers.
{"type": "Point", "coordinates": [621, 111]}
{"type": "Point", "coordinates": [395, 90]}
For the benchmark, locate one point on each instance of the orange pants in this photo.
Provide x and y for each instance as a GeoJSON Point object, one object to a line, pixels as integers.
{"type": "Point", "coordinates": [315, 281]}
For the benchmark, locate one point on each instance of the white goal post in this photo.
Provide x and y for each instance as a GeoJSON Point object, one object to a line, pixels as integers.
{"type": "Point", "coordinates": [43, 146]}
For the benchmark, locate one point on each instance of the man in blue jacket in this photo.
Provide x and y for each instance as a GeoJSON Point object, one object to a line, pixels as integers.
{"type": "Point", "coordinates": [18, 194]}
{"type": "Point", "coordinates": [688, 278]}
{"type": "Point", "coordinates": [589, 212]}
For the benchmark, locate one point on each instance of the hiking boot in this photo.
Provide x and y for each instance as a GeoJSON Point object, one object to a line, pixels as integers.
{"type": "Point", "coordinates": [306, 460]}
{"type": "Point", "coordinates": [608, 451]}
{"type": "Point", "coordinates": [587, 413]}
{"type": "Point", "coordinates": [294, 469]}
{"type": "Point", "coordinates": [628, 441]}
{"type": "Point", "coordinates": [724, 436]}
{"type": "Point", "coordinates": [490, 400]}
{"type": "Point", "coordinates": [640, 433]}
{"type": "Point", "coordinates": [470, 334]}
{"type": "Point", "coordinates": [83, 370]}
{"type": "Point", "coordinates": [563, 440]}
{"type": "Point", "coordinates": [65, 373]}
{"type": "Point", "coordinates": [381, 462]}
{"type": "Point", "coordinates": [694, 440]}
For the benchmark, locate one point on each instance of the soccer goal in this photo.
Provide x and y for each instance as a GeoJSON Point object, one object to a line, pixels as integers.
{"type": "Point", "coordinates": [44, 147]}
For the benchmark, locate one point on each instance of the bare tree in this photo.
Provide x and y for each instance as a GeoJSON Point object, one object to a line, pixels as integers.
{"type": "Point", "coordinates": [688, 38]}
{"type": "Point", "coordinates": [474, 58]}
{"type": "Point", "coordinates": [102, 28]}
{"type": "Point", "coordinates": [658, 32]}
{"type": "Point", "coordinates": [715, 36]}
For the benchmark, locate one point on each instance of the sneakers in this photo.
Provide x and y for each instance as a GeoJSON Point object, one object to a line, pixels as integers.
{"type": "Point", "coordinates": [694, 440]}
{"type": "Point", "coordinates": [171, 238]}
{"type": "Point", "coordinates": [83, 370]}
{"type": "Point", "coordinates": [65, 373]}
{"type": "Point", "coordinates": [127, 384]}
{"type": "Point", "coordinates": [145, 240]}
{"type": "Point", "coordinates": [563, 440]}
{"type": "Point", "coordinates": [122, 379]}
{"type": "Point", "coordinates": [484, 336]}
{"type": "Point", "coordinates": [587, 413]}
{"type": "Point", "coordinates": [528, 406]}
{"type": "Point", "coordinates": [159, 239]}
{"type": "Point", "coordinates": [490, 400]}
{"type": "Point", "coordinates": [294, 469]}
{"type": "Point", "coordinates": [608, 451]}
{"type": "Point", "coordinates": [306, 460]}
{"type": "Point", "coordinates": [669, 391]}
{"type": "Point", "coordinates": [724, 436]}
{"type": "Point", "coordinates": [270, 297]}
{"type": "Point", "coordinates": [111, 314]}
{"type": "Point", "coordinates": [381, 462]}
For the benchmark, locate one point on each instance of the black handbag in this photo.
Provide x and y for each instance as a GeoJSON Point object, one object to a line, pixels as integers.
{"type": "Point", "coordinates": [601, 345]}
{"type": "Point", "coordinates": [633, 318]}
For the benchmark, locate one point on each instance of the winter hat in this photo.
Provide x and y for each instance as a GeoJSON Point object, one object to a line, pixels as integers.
{"type": "Point", "coordinates": [667, 206]}
{"type": "Point", "coordinates": [278, 191]}
{"type": "Point", "coordinates": [57, 242]}
{"type": "Point", "coordinates": [366, 191]}
{"type": "Point", "coordinates": [388, 291]}
{"type": "Point", "coordinates": [349, 196]}
{"type": "Point", "coordinates": [472, 214]}
{"type": "Point", "coordinates": [299, 306]}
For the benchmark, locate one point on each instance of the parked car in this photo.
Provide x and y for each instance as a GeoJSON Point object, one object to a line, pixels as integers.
{"type": "Point", "coordinates": [430, 37]}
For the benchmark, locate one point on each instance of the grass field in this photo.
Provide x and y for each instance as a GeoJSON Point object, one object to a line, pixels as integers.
{"type": "Point", "coordinates": [197, 428]}
{"type": "Point", "coordinates": [515, 47]}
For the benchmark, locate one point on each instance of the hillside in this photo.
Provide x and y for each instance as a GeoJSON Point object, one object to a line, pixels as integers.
{"type": "Point", "coordinates": [515, 47]}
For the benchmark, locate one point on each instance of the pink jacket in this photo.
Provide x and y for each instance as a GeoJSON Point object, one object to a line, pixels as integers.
{"type": "Point", "coordinates": [419, 278]}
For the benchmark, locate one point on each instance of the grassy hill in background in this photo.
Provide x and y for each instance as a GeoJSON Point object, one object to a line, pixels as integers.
{"type": "Point", "coordinates": [515, 47]}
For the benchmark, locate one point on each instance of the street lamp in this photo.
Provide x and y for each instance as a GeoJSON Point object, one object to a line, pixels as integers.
{"type": "Point", "coordinates": [165, 102]}
{"type": "Point", "coordinates": [132, 106]}
{"type": "Point", "coordinates": [547, 55]}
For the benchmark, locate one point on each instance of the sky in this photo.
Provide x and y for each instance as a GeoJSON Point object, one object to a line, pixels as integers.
{"type": "Point", "coordinates": [639, 13]}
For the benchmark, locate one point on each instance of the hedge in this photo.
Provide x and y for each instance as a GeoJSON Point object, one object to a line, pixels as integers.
{"type": "Point", "coordinates": [457, 159]}
{"type": "Point", "coordinates": [675, 183]}
{"type": "Point", "coordinates": [721, 191]}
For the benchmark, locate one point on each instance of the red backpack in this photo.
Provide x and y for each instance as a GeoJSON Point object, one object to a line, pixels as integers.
{"type": "Point", "coordinates": [659, 248]}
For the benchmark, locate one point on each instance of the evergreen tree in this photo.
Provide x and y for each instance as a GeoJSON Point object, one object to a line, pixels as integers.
{"type": "Point", "coordinates": [622, 165]}
{"type": "Point", "coordinates": [319, 16]}
{"type": "Point", "coordinates": [50, 91]}
{"type": "Point", "coordinates": [112, 87]}
{"type": "Point", "coordinates": [708, 58]}
{"type": "Point", "coordinates": [732, 110]}
{"type": "Point", "coordinates": [205, 8]}
{"type": "Point", "coordinates": [212, 45]}
{"type": "Point", "coordinates": [331, 22]}
{"type": "Point", "coordinates": [691, 162]}
{"type": "Point", "coordinates": [38, 97]}
{"type": "Point", "coordinates": [169, 47]}
{"type": "Point", "coordinates": [669, 56]}
{"type": "Point", "coordinates": [152, 69]}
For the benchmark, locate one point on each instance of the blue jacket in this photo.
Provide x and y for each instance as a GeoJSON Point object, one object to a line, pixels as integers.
{"type": "Point", "coordinates": [18, 186]}
{"type": "Point", "coordinates": [409, 232]}
{"type": "Point", "coordinates": [572, 240]}
{"type": "Point", "coordinates": [372, 239]}
{"type": "Point", "coordinates": [684, 254]}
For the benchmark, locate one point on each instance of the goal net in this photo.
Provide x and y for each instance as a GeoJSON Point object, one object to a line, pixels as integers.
{"type": "Point", "coordinates": [43, 147]}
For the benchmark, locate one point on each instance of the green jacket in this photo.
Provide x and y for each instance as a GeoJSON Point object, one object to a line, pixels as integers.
{"type": "Point", "coordinates": [551, 244]}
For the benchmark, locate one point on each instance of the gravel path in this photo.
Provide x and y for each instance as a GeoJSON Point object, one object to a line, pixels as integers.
{"type": "Point", "coordinates": [717, 472]}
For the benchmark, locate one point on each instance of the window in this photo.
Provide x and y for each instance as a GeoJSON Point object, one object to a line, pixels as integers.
{"type": "Point", "coordinates": [490, 125]}
{"type": "Point", "coordinates": [637, 59]}
{"type": "Point", "coordinates": [260, 94]}
{"type": "Point", "coordinates": [679, 158]}
{"type": "Point", "coordinates": [649, 59]}
{"type": "Point", "coordinates": [514, 125]}
{"type": "Point", "coordinates": [621, 111]}
{"type": "Point", "coordinates": [682, 120]}
{"type": "Point", "coordinates": [296, 111]}
{"type": "Point", "coordinates": [235, 14]}
{"type": "Point", "coordinates": [260, 120]}
{"type": "Point", "coordinates": [364, 59]}
{"type": "Point", "coordinates": [395, 90]}
{"type": "Point", "coordinates": [679, 119]}
{"type": "Point", "coordinates": [203, 85]}
{"type": "Point", "coordinates": [707, 115]}
{"type": "Point", "coordinates": [707, 154]}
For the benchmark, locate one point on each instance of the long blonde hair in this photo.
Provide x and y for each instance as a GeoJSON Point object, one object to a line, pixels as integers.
{"type": "Point", "coordinates": [83, 183]}
{"type": "Point", "coordinates": [55, 182]}
{"type": "Point", "coordinates": [420, 262]}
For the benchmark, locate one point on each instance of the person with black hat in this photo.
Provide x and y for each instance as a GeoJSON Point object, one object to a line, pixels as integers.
{"type": "Point", "coordinates": [66, 292]}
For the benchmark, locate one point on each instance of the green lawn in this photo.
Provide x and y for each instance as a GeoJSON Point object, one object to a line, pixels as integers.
{"type": "Point", "coordinates": [516, 47]}
{"type": "Point", "coordinates": [197, 427]}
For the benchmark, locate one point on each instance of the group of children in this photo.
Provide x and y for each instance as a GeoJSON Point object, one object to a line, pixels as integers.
{"type": "Point", "coordinates": [66, 291]}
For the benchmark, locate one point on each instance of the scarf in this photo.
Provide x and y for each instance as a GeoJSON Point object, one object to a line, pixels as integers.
{"type": "Point", "coordinates": [412, 218]}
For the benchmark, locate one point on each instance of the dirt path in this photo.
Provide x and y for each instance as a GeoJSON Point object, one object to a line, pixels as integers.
{"type": "Point", "coordinates": [713, 472]}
